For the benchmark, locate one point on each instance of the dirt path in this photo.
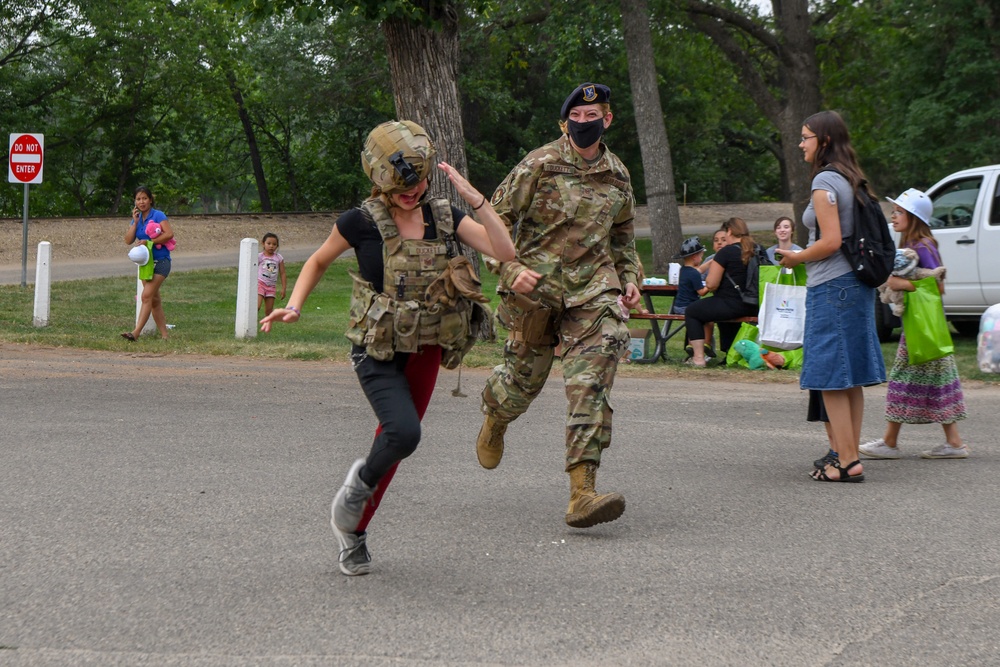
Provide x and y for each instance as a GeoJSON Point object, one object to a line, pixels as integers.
{"type": "Point", "coordinates": [95, 239]}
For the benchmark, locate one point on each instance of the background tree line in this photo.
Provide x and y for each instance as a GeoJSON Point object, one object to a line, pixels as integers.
{"type": "Point", "coordinates": [243, 105]}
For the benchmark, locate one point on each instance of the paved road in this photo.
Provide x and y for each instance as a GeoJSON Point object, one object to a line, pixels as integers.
{"type": "Point", "coordinates": [172, 510]}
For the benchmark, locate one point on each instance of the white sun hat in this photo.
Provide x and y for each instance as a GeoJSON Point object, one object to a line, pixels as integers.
{"type": "Point", "coordinates": [915, 202]}
{"type": "Point", "coordinates": [139, 255]}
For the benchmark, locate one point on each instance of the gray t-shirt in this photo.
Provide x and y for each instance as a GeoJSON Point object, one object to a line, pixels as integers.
{"type": "Point", "coordinates": [840, 192]}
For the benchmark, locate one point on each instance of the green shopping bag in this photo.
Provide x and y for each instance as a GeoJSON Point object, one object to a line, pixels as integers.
{"type": "Point", "coordinates": [770, 274]}
{"type": "Point", "coordinates": [748, 331]}
{"type": "Point", "coordinates": [927, 336]}
{"type": "Point", "coordinates": [146, 270]}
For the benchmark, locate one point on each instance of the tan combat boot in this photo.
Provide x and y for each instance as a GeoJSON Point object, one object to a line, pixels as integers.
{"type": "Point", "coordinates": [489, 445]}
{"type": "Point", "coordinates": [586, 508]}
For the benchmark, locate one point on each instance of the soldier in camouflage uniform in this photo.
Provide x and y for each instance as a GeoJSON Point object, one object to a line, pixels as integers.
{"type": "Point", "coordinates": [575, 276]}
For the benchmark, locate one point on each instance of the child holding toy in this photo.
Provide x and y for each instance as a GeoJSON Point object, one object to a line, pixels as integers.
{"type": "Point", "coordinates": [927, 393]}
{"type": "Point", "coordinates": [270, 267]}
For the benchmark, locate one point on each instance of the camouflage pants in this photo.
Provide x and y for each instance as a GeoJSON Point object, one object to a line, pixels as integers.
{"type": "Point", "coordinates": [593, 338]}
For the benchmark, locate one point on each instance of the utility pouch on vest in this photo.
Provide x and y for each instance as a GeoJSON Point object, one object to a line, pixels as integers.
{"type": "Point", "coordinates": [379, 333]}
{"type": "Point", "coordinates": [406, 322]}
{"type": "Point", "coordinates": [362, 296]}
{"type": "Point", "coordinates": [371, 323]}
{"type": "Point", "coordinates": [529, 321]}
{"type": "Point", "coordinates": [454, 328]}
{"type": "Point", "coordinates": [472, 322]}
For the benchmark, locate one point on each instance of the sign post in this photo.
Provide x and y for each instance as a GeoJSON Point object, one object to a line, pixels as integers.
{"type": "Point", "coordinates": [25, 166]}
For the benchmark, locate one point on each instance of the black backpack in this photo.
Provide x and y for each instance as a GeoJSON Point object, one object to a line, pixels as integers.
{"type": "Point", "coordinates": [869, 249]}
{"type": "Point", "coordinates": [750, 292]}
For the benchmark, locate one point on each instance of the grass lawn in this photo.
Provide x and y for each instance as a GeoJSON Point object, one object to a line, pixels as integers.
{"type": "Point", "coordinates": [91, 314]}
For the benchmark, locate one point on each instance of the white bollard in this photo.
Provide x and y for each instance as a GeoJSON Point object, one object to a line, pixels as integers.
{"type": "Point", "coordinates": [246, 290]}
{"type": "Point", "coordinates": [150, 326]}
{"type": "Point", "coordinates": [43, 283]}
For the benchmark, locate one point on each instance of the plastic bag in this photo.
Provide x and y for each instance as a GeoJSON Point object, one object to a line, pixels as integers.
{"type": "Point", "coordinates": [146, 270]}
{"type": "Point", "coordinates": [782, 317]}
{"type": "Point", "coordinates": [927, 336]}
{"type": "Point", "coordinates": [733, 357]}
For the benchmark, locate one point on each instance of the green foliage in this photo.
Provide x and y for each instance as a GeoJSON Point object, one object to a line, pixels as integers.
{"type": "Point", "coordinates": [923, 102]}
{"type": "Point", "coordinates": [142, 92]}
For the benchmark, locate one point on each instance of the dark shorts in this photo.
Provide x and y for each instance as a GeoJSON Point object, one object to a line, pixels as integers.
{"type": "Point", "coordinates": [161, 267]}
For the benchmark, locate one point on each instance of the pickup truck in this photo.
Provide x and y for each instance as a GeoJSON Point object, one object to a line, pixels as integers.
{"type": "Point", "coordinates": [966, 224]}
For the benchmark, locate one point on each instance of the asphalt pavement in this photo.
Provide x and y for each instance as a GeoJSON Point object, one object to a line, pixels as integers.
{"type": "Point", "coordinates": [173, 510]}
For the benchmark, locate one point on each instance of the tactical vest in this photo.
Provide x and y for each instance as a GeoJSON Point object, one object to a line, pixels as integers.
{"type": "Point", "coordinates": [399, 319]}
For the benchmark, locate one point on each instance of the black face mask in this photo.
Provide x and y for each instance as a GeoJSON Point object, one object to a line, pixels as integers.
{"type": "Point", "coordinates": [585, 135]}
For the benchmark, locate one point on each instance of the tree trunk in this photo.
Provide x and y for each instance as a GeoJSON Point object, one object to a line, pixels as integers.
{"type": "Point", "coordinates": [661, 198]}
{"type": "Point", "coordinates": [258, 167]}
{"type": "Point", "coordinates": [785, 88]}
{"type": "Point", "coordinates": [800, 70]}
{"type": "Point", "coordinates": [424, 67]}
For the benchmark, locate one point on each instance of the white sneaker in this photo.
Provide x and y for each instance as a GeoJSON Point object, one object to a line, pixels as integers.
{"type": "Point", "coordinates": [946, 451]}
{"type": "Point", "coordinates": [877, 449]}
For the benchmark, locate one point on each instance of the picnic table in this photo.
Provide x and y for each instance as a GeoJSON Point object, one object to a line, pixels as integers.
{"type": "Point", "coordinates": [665, 325]}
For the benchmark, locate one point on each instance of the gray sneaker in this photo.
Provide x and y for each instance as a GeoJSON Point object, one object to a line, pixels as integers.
{"type": "Point", "coordinates": [354, 558]}
{"type": "Point", "coordinates": [349, 503]}
{"type": "Point", "coordinates": [946, 451]}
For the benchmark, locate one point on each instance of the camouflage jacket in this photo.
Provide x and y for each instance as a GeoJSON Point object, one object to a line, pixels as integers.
{"type": "Point", "coordinates": [572, 223]}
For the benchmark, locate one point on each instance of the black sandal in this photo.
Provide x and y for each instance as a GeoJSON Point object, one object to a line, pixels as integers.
{"type": "Point", "coordinates": [820, 474]}
{"type": "Point", "coordinates": [128, 336]}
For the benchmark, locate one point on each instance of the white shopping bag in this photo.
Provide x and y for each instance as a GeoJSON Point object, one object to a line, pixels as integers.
{"type": "Point", "coordinates": [782, 317]}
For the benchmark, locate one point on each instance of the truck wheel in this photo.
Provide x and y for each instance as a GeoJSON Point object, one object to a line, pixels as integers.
{"type": "Point", "coordinates": [966, 328]}
{"type": "Point", "coordinates": [885, 321]}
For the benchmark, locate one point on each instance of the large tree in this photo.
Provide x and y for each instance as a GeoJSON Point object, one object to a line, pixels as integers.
{"type": "Point", "coordinates": [661, 196]}
{"type": "Point", "coordinates": [779, 68]}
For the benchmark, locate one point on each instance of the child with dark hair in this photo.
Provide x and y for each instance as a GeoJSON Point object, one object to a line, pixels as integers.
{"type": "Point", "coordinates": [270, 267]}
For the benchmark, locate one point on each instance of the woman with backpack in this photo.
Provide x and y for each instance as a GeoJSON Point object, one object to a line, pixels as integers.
{"type": "Point", "coordinates": [841, 351]}
{"type": "Point", "coordinates": [726, 275]}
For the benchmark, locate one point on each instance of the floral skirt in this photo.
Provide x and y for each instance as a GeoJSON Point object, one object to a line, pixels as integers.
{"type": "Point", "coordinates": [928, 393]}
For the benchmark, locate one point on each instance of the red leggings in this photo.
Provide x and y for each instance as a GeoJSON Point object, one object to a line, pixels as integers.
{"type": "Point", "coordinates": [421, 373]}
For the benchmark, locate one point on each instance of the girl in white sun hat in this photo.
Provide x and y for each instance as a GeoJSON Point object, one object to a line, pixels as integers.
{"type": "Point", "coordinates": [927, 393]}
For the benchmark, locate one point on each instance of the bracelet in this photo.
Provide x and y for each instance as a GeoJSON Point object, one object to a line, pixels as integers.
{"type": "Point", "coordinates": [481, 204]}
{"type": "Point", "coordinates": [294, 309]}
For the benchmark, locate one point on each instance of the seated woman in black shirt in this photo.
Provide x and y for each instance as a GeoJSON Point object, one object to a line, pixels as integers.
{"type": "Point", "coordinates": [729, 266]}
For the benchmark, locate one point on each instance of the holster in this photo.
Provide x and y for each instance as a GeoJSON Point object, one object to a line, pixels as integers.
{"type": "Point", "coordinates": [528, 321]}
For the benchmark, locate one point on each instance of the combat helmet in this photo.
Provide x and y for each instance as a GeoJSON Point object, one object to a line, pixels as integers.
{"type": "Point", "coordinates": [397, 155]}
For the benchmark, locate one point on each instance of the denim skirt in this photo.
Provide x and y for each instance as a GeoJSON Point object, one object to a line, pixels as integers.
{"type": "Point", "coordinates": [840, 348]}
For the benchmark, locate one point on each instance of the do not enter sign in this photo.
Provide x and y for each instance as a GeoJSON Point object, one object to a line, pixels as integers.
{"type": "Point", "coordinates": [25, 162]}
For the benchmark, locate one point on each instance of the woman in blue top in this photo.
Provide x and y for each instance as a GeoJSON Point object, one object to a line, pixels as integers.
{"type": "Point", "coordinates": [841, 352]}
{"type": "Point", "coordinates": [142, 215]}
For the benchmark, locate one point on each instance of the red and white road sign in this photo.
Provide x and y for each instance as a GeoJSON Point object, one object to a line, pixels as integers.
{"type": "Point", "coordinates": [25, 162]}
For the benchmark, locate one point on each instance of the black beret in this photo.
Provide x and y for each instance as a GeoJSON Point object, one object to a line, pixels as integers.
{"type": "Point", "coordinates": [586, 93]}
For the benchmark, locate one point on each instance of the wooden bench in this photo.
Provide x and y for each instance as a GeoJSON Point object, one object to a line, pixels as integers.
{"type": "Point", "coordinates": [662, 334]}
